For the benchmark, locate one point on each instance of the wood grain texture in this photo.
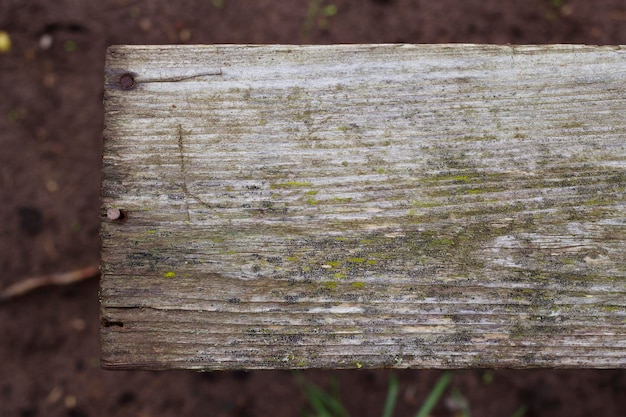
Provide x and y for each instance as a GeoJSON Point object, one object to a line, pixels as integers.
{"type": "Point", "coordinates": [364, 206]}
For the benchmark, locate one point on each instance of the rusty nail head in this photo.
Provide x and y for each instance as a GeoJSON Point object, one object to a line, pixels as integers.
{"type": "Point", "coordinates": [127, 81]}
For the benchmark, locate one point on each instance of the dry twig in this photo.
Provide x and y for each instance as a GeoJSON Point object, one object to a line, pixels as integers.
{"type": "Point", "coordinates": [31, 284]}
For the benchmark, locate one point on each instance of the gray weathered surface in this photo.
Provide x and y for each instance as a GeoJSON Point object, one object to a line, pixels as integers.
{"type": "Point", "coordinates": [365, 206]}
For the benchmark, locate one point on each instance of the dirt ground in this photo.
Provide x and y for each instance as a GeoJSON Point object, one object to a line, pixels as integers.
{"type": "Point", "coordinates": [51, 121]}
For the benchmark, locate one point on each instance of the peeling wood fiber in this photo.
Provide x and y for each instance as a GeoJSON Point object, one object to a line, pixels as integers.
{"type": "Point", "coordinates": [362, 206]}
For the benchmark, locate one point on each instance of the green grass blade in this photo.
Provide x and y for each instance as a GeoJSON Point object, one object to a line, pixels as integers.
{"type": "Point", "coordinates": [334, 405]}
{"type": "Point", "coordinates": [435, 394]}
{"type": "Point", "coordinates": [392, 396]}
{"type": "Point", "coordinates": [322, 403]}
{"type": "Point", "coordinates": [315, 398]}
{"type": "Point", "coordinates": [461, 402]}
{"type": "Point", "coordinates": [334, 399]}
{"type": "Point", "coordinates": [311, 14]}
{"type": "Point", "coordinates": [521, 410]}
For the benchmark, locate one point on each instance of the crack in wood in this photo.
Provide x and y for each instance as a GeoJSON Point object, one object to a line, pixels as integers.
{"type": "Point", "coordinates": [183, 171]}
{"type": "Point", "coordinates": [177, 78]}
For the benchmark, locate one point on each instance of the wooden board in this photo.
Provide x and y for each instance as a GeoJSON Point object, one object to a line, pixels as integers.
{"type": "Point", "coordinates": [364, 206]}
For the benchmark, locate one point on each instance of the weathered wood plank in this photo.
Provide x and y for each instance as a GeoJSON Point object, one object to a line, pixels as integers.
{"type": "Point", "coordinates": [364, 206]}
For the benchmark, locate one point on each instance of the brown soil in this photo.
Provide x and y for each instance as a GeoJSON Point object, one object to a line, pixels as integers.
{"type": "Point", "coordinates": [50, 153]}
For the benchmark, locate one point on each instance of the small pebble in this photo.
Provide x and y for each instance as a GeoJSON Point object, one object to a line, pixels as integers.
{"type": "Point", "coordinates": [70, 401]}
{"type": "Point", "coordinates": [78, 324]}
{"type": "Point", "coordinates": [184, 35]}
{"type": "Point", "coordinates": [5, 42]}
{"type": "Point", "coordinates": [54, 396]}
{"type": "Point", "coordinates": [45, 41]}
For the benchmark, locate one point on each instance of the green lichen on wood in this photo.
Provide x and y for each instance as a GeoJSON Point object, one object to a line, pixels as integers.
{"type": "Point", "coordinates": [291, 184]}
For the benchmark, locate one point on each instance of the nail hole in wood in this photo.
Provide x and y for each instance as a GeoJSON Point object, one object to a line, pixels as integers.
{"type": "Point", "coordinates": [109, 323]}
